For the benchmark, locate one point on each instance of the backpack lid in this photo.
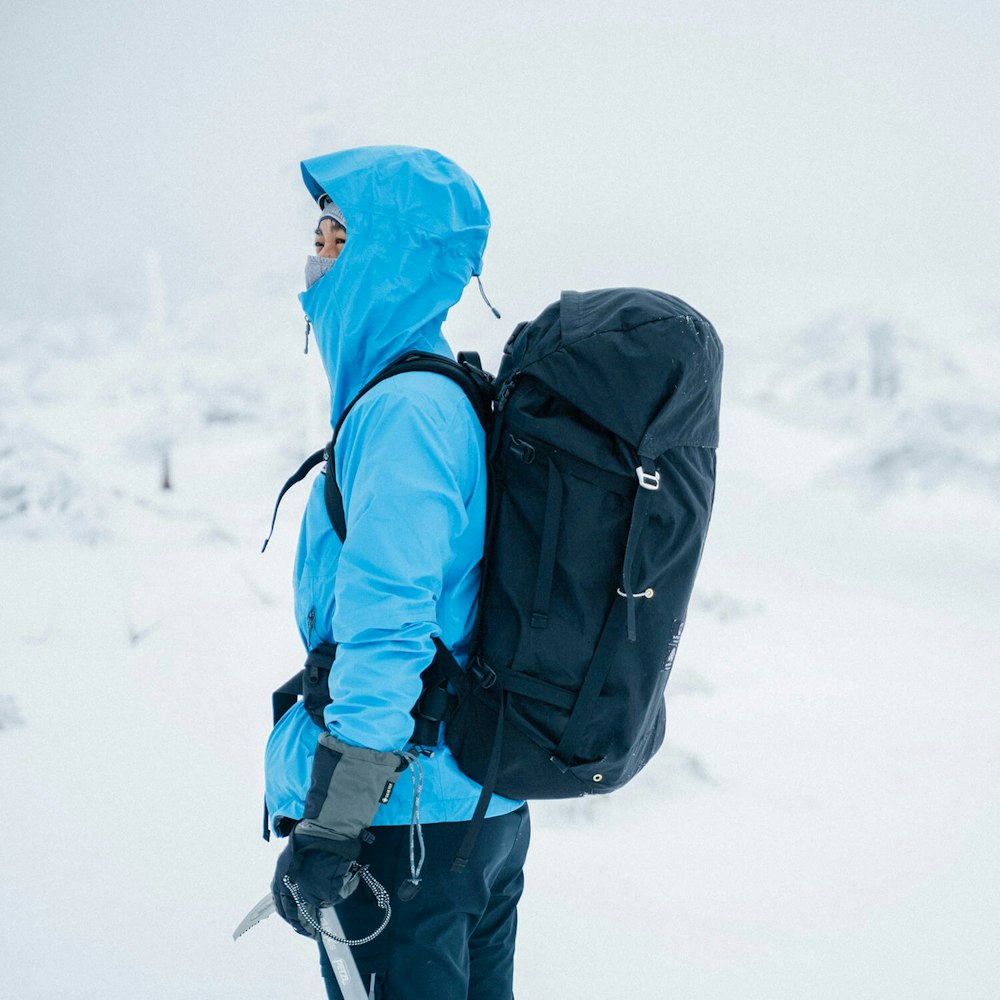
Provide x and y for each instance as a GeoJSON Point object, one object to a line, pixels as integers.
{"type": "Point", "coordinates": [642, 363]}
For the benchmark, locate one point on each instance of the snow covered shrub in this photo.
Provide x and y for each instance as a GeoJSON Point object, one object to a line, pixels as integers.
{"type": "Point", "coordinates": [40, 491]}
{"type": "Point", "coordinates": [919, 417]}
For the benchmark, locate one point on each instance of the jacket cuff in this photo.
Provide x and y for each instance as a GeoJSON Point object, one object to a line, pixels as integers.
{"type": "Point", "coordinates": [348, 785]}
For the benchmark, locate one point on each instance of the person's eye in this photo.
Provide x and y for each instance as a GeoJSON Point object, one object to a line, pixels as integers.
{"type": "Point", "coordinates": [341, 241]}
{"type": "Point", "coordinates": [318, 244]}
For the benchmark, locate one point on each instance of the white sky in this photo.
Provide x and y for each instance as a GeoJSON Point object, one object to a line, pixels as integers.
{"type": "Point", "coordinates": [767, 161]}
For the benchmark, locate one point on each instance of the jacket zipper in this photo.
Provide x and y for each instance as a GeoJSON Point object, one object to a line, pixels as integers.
{"type": "Point", "coordinates": [308, 329]}
{"type": "Point", "coordinates": [310, 625]}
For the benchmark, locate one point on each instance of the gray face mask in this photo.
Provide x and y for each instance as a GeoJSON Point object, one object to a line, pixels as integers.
{"type": "Point", "coordinates": [316, 267]}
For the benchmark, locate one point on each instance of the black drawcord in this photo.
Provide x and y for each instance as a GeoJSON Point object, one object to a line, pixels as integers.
{"type": "Point", "coordinates": [493, 308]}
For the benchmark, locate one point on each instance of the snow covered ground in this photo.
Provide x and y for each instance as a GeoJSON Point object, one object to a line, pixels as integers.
{"type": "Point", "coordinates": [822, 823]}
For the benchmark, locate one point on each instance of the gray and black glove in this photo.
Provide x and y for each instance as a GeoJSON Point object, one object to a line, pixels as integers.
{"type": "Point", "coordinates": [348, 785]}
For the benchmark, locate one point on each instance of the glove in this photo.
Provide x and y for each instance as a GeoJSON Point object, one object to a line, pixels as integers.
{"type": "Point", "coordinates": [348, 785]}
{"type": "Point", "coordinates": [322, 870]}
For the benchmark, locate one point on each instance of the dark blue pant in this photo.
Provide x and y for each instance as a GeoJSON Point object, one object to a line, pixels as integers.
{"type": "Point", "coordinates": [455, 939]}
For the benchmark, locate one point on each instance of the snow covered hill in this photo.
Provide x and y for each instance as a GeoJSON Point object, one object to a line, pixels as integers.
{"type": "Point", "coordinates": [912, 411]}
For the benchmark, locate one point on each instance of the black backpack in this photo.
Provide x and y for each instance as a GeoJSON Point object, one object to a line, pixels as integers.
{"type": "Point", "coordinates": [602, 424]}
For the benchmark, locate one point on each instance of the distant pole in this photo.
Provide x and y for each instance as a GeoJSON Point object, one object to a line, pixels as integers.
{"type": "Point", "coordinates": [157, 326]}
{"type": "Point", "coordinates": [885, 375]}
{"type": "Point", "coordinates": [165, 480]}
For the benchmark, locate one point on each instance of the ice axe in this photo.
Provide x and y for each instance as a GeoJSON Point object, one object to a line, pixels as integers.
{"type": "Point", "coordinates": [331, 933]}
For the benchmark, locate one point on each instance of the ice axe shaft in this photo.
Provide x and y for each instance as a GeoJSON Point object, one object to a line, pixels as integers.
{"type": "Point", "coordinates": [344, 966]}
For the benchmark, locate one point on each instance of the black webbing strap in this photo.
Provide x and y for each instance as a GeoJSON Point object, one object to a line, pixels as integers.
{"type": "Point", "coordinates": [434, 701]}
{"type": "Point", "coordinates": [444, 666]}
{"type": "Point", "coordinates": [286, 696]}
{"type": "Point", "coordinates": [489, 783]}
{"type": "Point", "coordinates": [600, 663]}
{"type": "Point", "coordinates": [474, 386]}
{"type": "Point", "coordinates": [640, 514]}
{"type": "Point", "coordinates": [493, 440]}
{"type": "Point", "coordinates": [303, 470]}
{"type": "Point", "coordinates": [518, 683]}
{"type": "Point", "coordinates": [580, 718]}
{"type": "Point", "coordinates": [470, 358]}
{"type": "Point", "coordinates": [334, 501]}
{"type": "Point", "coordinates": [547, 549]}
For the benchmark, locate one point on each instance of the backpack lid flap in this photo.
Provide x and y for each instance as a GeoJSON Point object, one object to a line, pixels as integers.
{"type": "Point", "coordinates": [641, 363]}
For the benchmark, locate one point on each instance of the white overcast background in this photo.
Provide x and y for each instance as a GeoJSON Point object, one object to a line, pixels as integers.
{"type": "Point", "coordinates": [820, 179]}
{"type": "Point", "coordinates": [768, 160]}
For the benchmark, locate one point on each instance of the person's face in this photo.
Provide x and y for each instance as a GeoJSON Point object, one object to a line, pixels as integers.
{"type": "Point", "coordinates": [330, 239]}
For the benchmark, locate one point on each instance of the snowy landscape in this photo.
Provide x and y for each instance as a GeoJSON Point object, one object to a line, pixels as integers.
{"type": "Point", "coordinates": [823, 821]}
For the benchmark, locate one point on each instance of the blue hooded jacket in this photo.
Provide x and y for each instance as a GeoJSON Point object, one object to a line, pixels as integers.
{"type": "Point", "coordinates": [410, 464]}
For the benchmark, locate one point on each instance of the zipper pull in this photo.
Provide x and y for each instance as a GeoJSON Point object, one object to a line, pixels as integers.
{"type": "Point", "coordinates": [308, 328]}
{"type": "Point", "coordinates": [310, 625]}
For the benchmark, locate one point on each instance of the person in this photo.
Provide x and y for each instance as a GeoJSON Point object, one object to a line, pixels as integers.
{"type": "Point", "coordinates": [331, 233]}
{"type": "Point", "coordinates": [401, 233]}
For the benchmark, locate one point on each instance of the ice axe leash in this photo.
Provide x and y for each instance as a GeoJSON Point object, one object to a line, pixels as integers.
{"type": "Point", "coordinates": [330, 931]}
{"type": "Point", "coordinates": [379, 891]}
{"type": "Point", "coordinates": [263, 909]}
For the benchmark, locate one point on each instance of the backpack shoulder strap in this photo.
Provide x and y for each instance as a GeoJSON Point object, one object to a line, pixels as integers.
{"type": "Point", "coordinates": [466, 373]}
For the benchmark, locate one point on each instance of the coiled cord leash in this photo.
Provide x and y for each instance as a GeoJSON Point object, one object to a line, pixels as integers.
{"type": "Point", "coordinates": [378, 891]}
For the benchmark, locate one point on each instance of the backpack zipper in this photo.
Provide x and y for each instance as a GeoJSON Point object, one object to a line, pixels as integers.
{"type": "Point", "coordinates": [310, 625]}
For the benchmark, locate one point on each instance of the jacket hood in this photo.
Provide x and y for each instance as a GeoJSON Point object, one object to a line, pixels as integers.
{"type": "Point", "coordinates": [416, 231]}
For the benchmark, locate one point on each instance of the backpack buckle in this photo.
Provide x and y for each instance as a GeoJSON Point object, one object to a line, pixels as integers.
{"type": "Point", "coordinates": [484, 674]}
{"type": "Point", "coordinates": [506, 388]}
{"type": "Point", "coordinates": [524, 451]}
{"type": "Point", "coordinates": [648, 480]}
